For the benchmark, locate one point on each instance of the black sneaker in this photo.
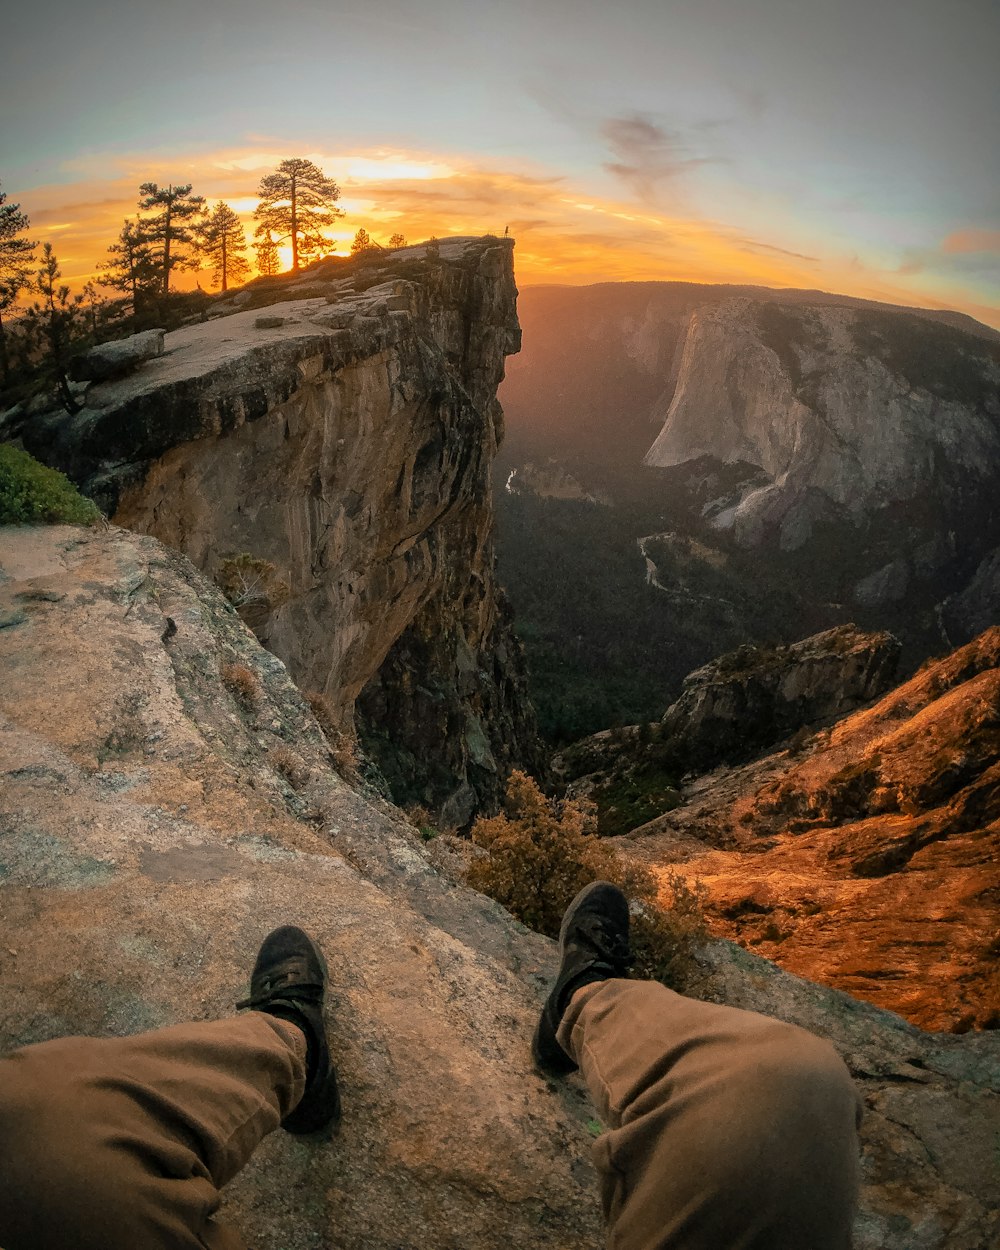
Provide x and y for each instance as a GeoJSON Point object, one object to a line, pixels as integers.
{"type": "Point", "coordinates": [289, 981]}
{"type": "Point", "coordinates": [593, 942]}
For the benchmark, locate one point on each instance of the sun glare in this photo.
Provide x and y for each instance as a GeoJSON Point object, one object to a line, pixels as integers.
{"type": "Point", "coordinates": [392, 169]}
{"type": "Point", "coordinates": [563, 233]}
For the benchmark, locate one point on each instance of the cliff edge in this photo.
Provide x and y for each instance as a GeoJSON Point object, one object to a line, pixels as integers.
{"type": "Point", "coordinates": [343, 435]}
{"type": "Point", "coordinates": [167, 797]}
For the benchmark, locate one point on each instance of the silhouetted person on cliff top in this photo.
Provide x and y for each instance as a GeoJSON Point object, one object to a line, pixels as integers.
{"type": "Point", "coordinates": [726, 1130]}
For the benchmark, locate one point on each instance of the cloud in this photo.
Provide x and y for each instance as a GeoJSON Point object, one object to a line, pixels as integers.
{"type": "Point", "coordinates": [971, 240]}
{"type": "Point", "coordinates": [971, 254]}
{"type": "Point", "coordinates": [754, 245]}
{"type": "Point", "coordinates": [646, 154]}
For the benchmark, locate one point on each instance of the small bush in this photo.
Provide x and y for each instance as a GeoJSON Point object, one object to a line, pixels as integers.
{"type": "Point", "coordinates": [252, 586]}
{"type": "Point", "coordinates": [421, 819]}
{"type": "Point", "coordinates": [31, 494]}
{"type": "Point", "coordinates": [541, 854]}
{"type": "Point", "coordinates": [289, 765]}
{"type": "Point", "coordinates": [343, 743]}
{"type": "Point", "coordinates": [242, 684]}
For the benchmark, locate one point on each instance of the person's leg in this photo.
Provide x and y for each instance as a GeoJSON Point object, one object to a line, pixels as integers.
{"type": "Point", "coordinates": [126, 1142]}
{"type": "Point", "coordinates": [725, 1128]}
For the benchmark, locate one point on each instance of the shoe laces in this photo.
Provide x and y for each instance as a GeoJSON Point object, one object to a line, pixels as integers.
{"type": "Point", "coordinates": [607, 941]}
{"type": "Point", "coordinates": [299, 993]}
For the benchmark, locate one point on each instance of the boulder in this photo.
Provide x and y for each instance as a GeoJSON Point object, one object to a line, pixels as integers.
{"type": "Point", "coordinates": [754, 697]}
{"type": "Point", "coordinates": [118, 358]}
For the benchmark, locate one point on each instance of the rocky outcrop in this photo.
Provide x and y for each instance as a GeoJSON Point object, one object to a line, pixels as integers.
{"type": "Point", "coordinates": [738, 705]}
{"type": "Point", "coordinates": [977, 605]}
{"type": "Point", "coordinates": [756, 696]}
{"type": "Point", "coordinates": [116, 359]}
{"type": "Point", "coordinates": [848, 412]}
{"type": "Point", "coordinates": [865, 857]}
{"type": "Point", "coordinates": [166, 797]}
{"type": "Point", "coordinates": [346, 439]}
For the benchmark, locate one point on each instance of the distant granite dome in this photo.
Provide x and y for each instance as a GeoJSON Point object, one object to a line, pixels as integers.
{"type": "Point", "coordinates": [846, 411]}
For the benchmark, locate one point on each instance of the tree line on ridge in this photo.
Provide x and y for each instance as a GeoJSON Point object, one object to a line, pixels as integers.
{"type": "Point", "coordinates": [173, 229]}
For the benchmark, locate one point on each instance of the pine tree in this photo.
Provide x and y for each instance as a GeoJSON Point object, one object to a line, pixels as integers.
{"type": "Point", "coordinates": [16, 258]}
{"type": "Point", "coordinates": [223, 243]}
{"type": "Point", "coordinates": [397, 240]}
{"type": "Point", "coordinates": [267, 253]}
{"type": "Point", "coordinates": [132, 269]}
{"type": "Point", "coordinates": [60, 316]}
{"type": "Point", "coordinates": [172, 228]}
{"type": "Point", "coordinates": [297, 204]}
{"type": "Point", "coordinates": [362, 242]}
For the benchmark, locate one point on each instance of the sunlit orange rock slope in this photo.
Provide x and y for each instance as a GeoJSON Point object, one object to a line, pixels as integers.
{"type": "Point", "coordinates": [869, 859]}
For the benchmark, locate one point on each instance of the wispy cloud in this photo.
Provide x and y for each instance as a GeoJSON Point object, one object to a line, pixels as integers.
{"type": "Point", "coordinates": [755, 245]}
{"type": "Point", "coordinates": [971, 254]}
{"type": "Point", "coordinates": [646, 154]}
{"type": "Point", "coordinates": [972, 240]}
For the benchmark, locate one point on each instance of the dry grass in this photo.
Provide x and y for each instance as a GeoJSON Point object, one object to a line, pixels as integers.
{"type": "Point", "coordinates": [289, 765]}
{"type": "Point", "coordinates": [242, 684]}
{"type": "Point", "coordinates": [343, 743]}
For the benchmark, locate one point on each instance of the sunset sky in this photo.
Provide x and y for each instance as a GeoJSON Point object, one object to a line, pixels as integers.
{"type": "Point", "coordinates": [849, 145]}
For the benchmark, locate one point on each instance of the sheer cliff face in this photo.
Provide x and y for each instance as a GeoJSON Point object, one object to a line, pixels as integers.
{"type": "Point", "coordinates": [847, 411]}
{"type": "Point", "coordinates": [346, 439]}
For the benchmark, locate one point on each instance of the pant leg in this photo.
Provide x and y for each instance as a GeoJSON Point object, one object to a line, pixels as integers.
{"type": "Point", "coordinates": [124, 1143]}
{"type": "Point", "coordinates": [727, 1130]}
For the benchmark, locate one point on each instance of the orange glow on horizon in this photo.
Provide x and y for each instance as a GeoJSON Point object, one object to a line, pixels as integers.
{"type": "Point", "coordinates": [562, 237]}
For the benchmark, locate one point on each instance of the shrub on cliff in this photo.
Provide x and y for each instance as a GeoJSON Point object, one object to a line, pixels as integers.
{"type": "Point", "coordinates": [31, 494]}
{"type": "Point", "coordinates": [252, 586]}
{"type": "Point", "coordinates": [540, 854]}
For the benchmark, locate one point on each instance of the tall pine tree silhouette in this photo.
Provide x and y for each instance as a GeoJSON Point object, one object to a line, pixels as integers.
{"type": "Point", "coordinates": [16, 258]}
{"type": "Point", "coordinates": [223, 243]}
{"type": "Point", "coordinates": [297, 203]}
{"type": "Point", "coordinates": [171, 229]}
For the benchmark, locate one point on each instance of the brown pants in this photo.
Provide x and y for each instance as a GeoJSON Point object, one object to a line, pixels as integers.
{"type": "Point", "coordinates": [726, 1130]}
{"type": "Point", "coordinates": [124, 1143]}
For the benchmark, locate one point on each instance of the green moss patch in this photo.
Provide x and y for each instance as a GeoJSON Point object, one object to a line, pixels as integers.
{"type": "Point", "coordinates": [31, 494]}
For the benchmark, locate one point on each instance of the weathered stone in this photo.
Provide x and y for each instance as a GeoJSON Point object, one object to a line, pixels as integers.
{"type": "Point", "coordinates": [268, 321]}
{"type": "Point", "coordinates": [356, 460]}
{"type": "Point", "coordinates": [756, 696]}
{"type": "Point", "coordinates": [115, 359]}
{"type": "Point", "coordinates": [804, 392]}
{"type": "Point", "coordinates": [865, 857]}
{"type": "Point", "coordinates": [336, 320]}
{"type": "Point", "coordinates": [977, 606]}
{"type": "Point", "coordinates": [886, 585]}
{"type": "Point", "coordinates": [149, 841]}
